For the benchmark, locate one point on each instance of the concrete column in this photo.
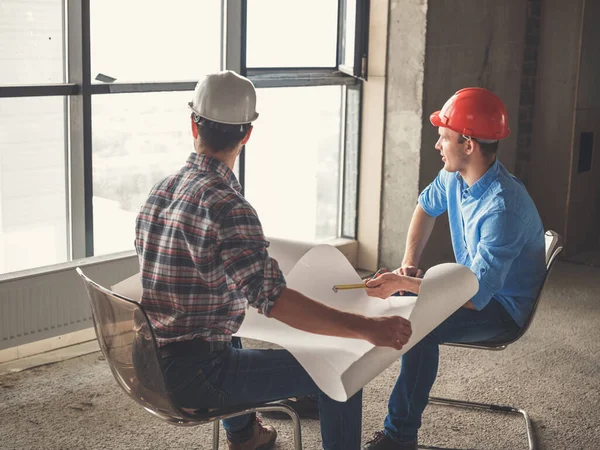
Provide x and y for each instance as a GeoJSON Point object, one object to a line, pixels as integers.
{"type": "Point", "coordinates": [403, 123]}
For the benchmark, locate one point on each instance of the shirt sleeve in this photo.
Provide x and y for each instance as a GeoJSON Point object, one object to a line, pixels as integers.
{"type": "Point", "coordinates": [246, 260]}
{"type": "Point", "coordinates": [501, 240]}
{"type": "Point", "coordinates": [433, 199]}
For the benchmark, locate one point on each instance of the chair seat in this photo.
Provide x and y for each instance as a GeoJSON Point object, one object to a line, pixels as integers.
{"type": "Point", "coordinates": [493, 343]}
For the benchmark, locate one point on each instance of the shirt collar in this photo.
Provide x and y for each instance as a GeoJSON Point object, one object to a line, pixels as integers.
{"type": "Point", "coordinates": [481, 185]}
{"type": "Point", "coordinates": [205, 163]}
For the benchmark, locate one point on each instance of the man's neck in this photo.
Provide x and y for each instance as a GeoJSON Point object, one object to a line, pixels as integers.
{"type": "Point", "coordinates": [476, 170]}
{"type": "Point", "coordinates": [226, 157]}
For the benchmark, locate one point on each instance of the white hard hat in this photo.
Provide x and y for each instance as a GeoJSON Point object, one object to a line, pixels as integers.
{"type": "Point", "coordinates": [225, 97]}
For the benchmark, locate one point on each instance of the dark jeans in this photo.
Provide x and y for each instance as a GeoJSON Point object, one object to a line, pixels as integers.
{"type": "Point", "coordinates": [237, 377]}
{"type": "Point", "coordinates": [420, 364]}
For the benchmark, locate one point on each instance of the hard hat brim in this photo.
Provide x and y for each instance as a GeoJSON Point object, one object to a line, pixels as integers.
{"type": "Point", "coordinates": [435, 120]}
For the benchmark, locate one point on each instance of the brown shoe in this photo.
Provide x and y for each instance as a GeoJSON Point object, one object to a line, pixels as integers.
{"type": "Point", "coordinates": [262, 439]}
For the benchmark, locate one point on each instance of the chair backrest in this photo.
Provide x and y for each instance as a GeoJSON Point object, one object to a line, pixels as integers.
{"type": "Point", "coordinates": [553, 248]}
{"type": "Point", "coordinates": [129, 346]}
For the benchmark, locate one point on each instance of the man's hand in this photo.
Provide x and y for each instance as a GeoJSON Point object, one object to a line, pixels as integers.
{"type": "Point", "coordinates": [409, 270]}
{"type": "Point", "coordinates": [469, 305]}
{"type": "Point", "coordinates": [391, 331]}
{"type": "Point", "coordinates": [389, 283]}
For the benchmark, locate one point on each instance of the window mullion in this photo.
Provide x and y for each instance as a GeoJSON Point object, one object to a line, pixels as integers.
{"type": "Point", "coordinates": [80, 152]}
{"type": "Point", "coordinates": [235, 54]}
{"type": "Point", "coordinates": [234, 45]}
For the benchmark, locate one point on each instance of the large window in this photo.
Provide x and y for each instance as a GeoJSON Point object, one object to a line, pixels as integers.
{"type": "Point", "coordinates": [141, 41]}
{"type": "Point", "coordinates": [31, 42]}
{"type": "Point", "coordinates": [137, 140]}
{"type": "Point", "coordinates": [293, 162]}
{"type": "Point", "coordinates": [292, 33]}
{"type": "Point", "coordinates": [93, 112]}
{"type": "Point", "coordinates": [33, 191]}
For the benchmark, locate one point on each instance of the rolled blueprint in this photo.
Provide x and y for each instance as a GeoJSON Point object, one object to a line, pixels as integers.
{"type": "Point", "coordinates": [342, 366]}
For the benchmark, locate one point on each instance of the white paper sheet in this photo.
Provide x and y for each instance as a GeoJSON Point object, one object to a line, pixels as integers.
{"type": "Point", "coordinates": [342, 366]}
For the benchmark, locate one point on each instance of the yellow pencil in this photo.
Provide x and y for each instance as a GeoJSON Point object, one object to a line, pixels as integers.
{"type": "Point", "coordinates": [343, 287]}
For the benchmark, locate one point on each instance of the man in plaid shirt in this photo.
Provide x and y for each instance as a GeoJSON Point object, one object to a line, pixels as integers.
{"type": "Point", "coordinates": [203, 259]}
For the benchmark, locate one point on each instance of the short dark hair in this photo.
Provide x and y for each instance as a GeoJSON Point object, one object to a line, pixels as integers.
{"type": "Point", "coordinates": [219, 136]}
{"type": "Point", "coordinates": [487, 148]}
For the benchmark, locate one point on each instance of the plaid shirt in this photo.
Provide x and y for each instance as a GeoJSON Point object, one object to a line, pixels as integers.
{"type": "Point", "coordinates": [203, 255]}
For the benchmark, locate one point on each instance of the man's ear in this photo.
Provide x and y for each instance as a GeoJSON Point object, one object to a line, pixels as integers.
{"type": "Point", "coordinates": [470, 146]}
{"type": "Point", "coordinates": [194, 129]}
{"type": "Point", "coordinates": [247, 137]}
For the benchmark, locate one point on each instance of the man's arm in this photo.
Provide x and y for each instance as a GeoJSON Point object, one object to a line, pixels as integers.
{"type": "Point", "coordinates": [303, 313]}
{"type": "Point", "coordinates": [257, 276]}
{"type": "Point", "coordinates": [419, 232]}
{"type": "Point", "coordinates": [502, 237]}
{"type": "Point", "coordinates": [432, 202]}
{"type": "Point", "coordinates": [389, 283]}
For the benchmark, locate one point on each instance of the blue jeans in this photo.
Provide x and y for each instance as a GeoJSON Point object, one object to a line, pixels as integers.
{"type": "Point", "coordinates": [237, 377]}
{"type": "Point", "coordinates": [420, 364]}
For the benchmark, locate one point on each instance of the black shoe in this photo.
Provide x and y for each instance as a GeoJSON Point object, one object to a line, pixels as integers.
{"type": "Point", "coordinates": [380, 441]}
{"type": "Point", "coordinates": [306, 407]}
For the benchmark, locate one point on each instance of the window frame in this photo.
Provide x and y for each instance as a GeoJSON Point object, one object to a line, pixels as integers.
{"type": "Point", "coordinates": [78, 91]}
{"type": "Point", "coordinates": [360, 63]}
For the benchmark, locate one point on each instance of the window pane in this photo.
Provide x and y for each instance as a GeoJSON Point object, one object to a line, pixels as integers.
{"type": "Point", "coordinates": [288, 33]}
{"type": "Point", "coordinates": [137, 40]}
{"type": "Point", "coordinates": [349, 32]}
{"type": "Point", "coordinates": [31, 42]}
{"type": "Point", "coordinates": [293, 162]}
{"type": "Point", "coordinates": [33, 193]}
{"type": "Point", "coordinates": [137, 140]}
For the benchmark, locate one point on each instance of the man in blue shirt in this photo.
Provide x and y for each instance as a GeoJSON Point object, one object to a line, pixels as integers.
{"type": "Point", "coordinates": [496, 231]}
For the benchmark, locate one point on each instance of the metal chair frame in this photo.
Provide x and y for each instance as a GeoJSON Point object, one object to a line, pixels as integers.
{"type": "Point", "coordinates": [553, 248]}
{"type": "Point", "coordinates": [179, 416]}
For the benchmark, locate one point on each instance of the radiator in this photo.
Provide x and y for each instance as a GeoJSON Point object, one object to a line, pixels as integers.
{"type": "Point", "coordinates": [42, 304]}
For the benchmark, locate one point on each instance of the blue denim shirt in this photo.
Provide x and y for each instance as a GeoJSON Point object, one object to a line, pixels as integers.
{"type": "Point", "coordinates": [496, 232]}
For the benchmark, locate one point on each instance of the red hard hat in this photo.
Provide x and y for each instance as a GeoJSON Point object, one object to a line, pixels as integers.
{"type": "Point", "coordinates": [474, 112]}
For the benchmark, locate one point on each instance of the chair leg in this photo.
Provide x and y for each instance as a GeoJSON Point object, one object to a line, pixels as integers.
{"type": "Point", "coordinates": [490, 407]}
{"type": "Point", "coordinates": [296, 425]}
{"type": "Point", "coordinates": [297, 430]}
{"type": "Point", "coordinates": [216, 435]}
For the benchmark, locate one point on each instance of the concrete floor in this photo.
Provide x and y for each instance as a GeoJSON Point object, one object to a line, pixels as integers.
{"type": "Point", "coordinates": [587, 258]}
{"type": "Point", "coordinates": [552, 372]}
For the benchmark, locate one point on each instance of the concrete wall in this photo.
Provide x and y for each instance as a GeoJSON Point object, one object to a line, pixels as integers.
{"type": "Point", "coordinates": [551, 158]}
{"type": "Point", "coordinates": [583, 219]}
{"type": "Point", "coordinates": [528, 90]}
{"type": "Point", "coordinates": [460, 44]}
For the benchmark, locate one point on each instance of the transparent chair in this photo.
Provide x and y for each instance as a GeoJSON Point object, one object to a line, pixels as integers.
{"type": "Point", "coordinates": [124, 332]}
{"type": "Point", "coordinates": [553, 248]}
